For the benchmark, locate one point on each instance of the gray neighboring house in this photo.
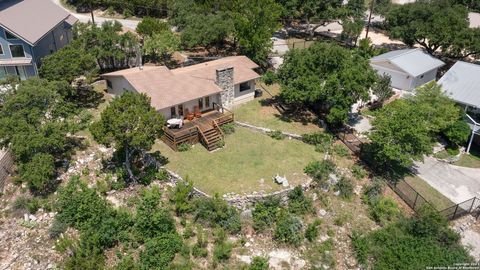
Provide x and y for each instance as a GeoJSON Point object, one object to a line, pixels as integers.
{"type": "Point", "coordinates": [408, 68]}
{"type": "Point", "coordinates": [30, 30]}
{"type": "Point", "coordinates": [462, 84]}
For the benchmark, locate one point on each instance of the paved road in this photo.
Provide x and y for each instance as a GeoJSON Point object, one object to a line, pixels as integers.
{"type": "Point", "coordinates": [132, 24]}
{"type": "Point", "coordinates": [456, 183]}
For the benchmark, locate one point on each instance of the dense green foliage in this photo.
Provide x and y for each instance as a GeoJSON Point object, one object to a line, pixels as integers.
{"type": "Point", "coordinates": [458, 133]}
{"type": "Point", "coordinates": [382, 88]}
{"type": "Point", "coordinates": [345, 187]}
{"type": "Point", "coordinates": [298, 203]}
{"type": "Point", "coordinates": [404, 130]}
{"type": "Point", "coordinates": [288, 229]}
{"type": "Point", "coordinates": [68, 63]}
{"type": "Point", "coordinates": [436, 25]}
{"type": "Point", "coordinates": [216, 212]}
{"type": "Point", "coordinates": [384, 210]}
{"type": "Point", "coordinates": [259, 263]}
{"type": "Point", "coordinates": [326, 76]}
{"type": "Point", "coordinates": [39, 172]}
{"type": "Point", "coordinates": [265, 213]}
{"type": "Point", "coordinates": [132, 125]}
{"type": "Point", "coordinates": [150, 26]}
{"type": "Point", "coordinates": [320, 170]}
{"type": "Point", "coordinates": [416, 243]}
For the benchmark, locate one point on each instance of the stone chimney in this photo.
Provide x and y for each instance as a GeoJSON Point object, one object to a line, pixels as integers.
{"type": "Point", "coordinates": [225, 82]}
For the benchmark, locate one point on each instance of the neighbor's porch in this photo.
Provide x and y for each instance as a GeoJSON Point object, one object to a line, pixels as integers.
{"type": "Point", "coordinates": [204, 129]}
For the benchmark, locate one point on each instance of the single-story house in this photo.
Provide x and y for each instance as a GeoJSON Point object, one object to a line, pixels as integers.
{"type": "Point", "coordinates": [408, 68]}
{"type": "Point", "coordinates": [228, 82]}
{"type": "Point", "coordinates": [462, 84]}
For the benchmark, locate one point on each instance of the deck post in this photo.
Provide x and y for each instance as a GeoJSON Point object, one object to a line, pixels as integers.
{"type": "Point", "coordinates": [455, 212]}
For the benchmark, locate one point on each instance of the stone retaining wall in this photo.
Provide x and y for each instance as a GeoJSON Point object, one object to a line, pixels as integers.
{"type": "Point", "coordinates": [266, 130]}
{"type": "Point", "coordinates": [241, 202]}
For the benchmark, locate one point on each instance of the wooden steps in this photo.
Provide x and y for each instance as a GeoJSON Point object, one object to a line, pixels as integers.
{"type": "Point", "coordinates": [211, 138]}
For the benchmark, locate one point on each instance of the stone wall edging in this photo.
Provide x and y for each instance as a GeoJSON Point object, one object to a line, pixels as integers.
{"type": "Point", "coordinates": [266, 130]}
{"type": "Point", "coordinates": [240, 201]}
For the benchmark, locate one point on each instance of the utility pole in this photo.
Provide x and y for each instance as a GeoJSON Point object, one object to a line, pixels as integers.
{"type": "Point", "coordinates": [369, 18]}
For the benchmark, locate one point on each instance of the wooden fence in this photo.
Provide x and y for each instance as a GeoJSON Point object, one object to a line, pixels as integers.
{"type": "Point", "coordinates": [6, 167]}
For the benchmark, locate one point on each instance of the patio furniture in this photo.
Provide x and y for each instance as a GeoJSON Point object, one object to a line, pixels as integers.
{"type": "Point", "coordinates": [175, 123]}
{"type": "Point", "coordinates": [196, 112]}
{"type": "Point", "coordinates": [190, 116]}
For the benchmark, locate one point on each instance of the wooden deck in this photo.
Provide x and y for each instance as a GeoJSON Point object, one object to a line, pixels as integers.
{"type": "Point", "coordinates": [205, 129]}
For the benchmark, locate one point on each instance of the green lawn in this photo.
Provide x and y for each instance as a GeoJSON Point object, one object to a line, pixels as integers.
{"type": "Point", "coordinates": [261, 112]}
{"type": "Point", "coordinates": [429, 193]}
{"type": "Point", "coordinates": [471, 160]}
{"type": "Point", "coordinates": [247, 158]}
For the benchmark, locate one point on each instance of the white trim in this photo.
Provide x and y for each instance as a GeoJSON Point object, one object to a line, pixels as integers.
{"type": "Point", "coordinates": [11, 55]}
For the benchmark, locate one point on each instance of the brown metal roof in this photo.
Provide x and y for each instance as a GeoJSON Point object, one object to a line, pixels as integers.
{"type": "Point", "coordinates": [30, 20]}
{"type": "Point", "coordinates": [171, 87]}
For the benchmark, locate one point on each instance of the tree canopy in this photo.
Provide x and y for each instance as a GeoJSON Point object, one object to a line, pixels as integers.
{"type": "Point", "coordinates": [436, 25]}
{"type": "Point", "coordinates": [131, 124]}
{"type": "Point", "coordinates": [327, 76]}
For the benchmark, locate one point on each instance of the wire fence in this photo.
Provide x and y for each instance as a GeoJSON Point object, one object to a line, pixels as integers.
{"type": "Point", "coordinates": [405, 191]}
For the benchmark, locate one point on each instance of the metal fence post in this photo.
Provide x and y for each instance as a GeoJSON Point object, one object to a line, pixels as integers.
{"type": "Point", "coordinates": [455, 213]}
{"type": "Point", "coordinates": [415, 202]}
{"type": "Point", "coordinates": [471, 206]}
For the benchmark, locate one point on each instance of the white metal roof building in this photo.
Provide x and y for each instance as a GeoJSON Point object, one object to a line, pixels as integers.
{"type": "Point", "coordinates": [462, 84]}
{"type": "Point", "coordinates": [408, 68]}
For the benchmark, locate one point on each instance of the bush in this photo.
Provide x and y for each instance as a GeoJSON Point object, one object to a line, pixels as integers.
{"type": "Point", "coordinates": [311, 233]}
{"type": "Point", "coordinates": [259, 263]}
{"type": "Point", "coordinates": [384, 210]}
{"type": "Point", "coordinates": [265, 213]}
{"type": "Point", "coordinates": [342, 219]}
{"type": "Point", "coordinates": [38, 173]}
{"type": "Point", "coordinates": [184, 147]}
{"type": "Point", "coordinates": [358, 172]}
{"type": "Point", "coordinates": [56, 229]}
{"type": "Point", "coordinates": [222, 251]}
{"type": "Point", "coordinates": [162, 175]}
{"type": "Point", "coordinates": [276, 134]}
{"type": "Point", "coordinates": [152, 221]}
{"type": "Point", "coordinates": [458, 133]}
{"type": "Point", "coordinates": [373, 191]}
{"type": "Point", "coordinates": [181, 196]}
{"type": "Point", "coordinates": [216, 212]}
{"type": "Point", "coordinates": [288, 229]}
{"type": "Point", "coordinates": [25, 203]}
{"type": "Point", "coordinates": [228, 128]}
{"type": "Point", "coordinates": [221, 143]}
{"type": "Point", "coordinates": [200, 247]}
{"type": "Point", "coordinates": [317, 138]}
{"type": "Point", "coordinates": [160, 251]}
{"type": "Point", "coordinates": [341, 150]}
{"type": "Point", "coordinates": [298, 203]}
{"type": "Point", "coordinates": [269, 77]}
{"type": "Point", "coordinates": [320, 170]}
{"type": "Point", "coordinates": [452, 151]}
{"type": "Point", "coordinates": [345, 187]}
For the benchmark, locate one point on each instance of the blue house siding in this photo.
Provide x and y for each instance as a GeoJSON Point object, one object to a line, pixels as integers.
{"type": "Point", "coordinates": [52, 41]}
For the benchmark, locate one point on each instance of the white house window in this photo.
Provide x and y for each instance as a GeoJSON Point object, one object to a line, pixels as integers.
{"type": "Point", "coordinates": [17, 51]}
{"type": "Point", "coordinates": [61, 37]}
{"type": "Point", "coordinates": [244, 86]}
{"type": "Point", "coordinates": [200, 103]}
{"type": "Point", "coordinates": [9, 35]}
{"type": "Point", "coordinates": [180, 110]}
{"type": "Point", "coordinates": [1, 50]}
{"type": "Point", "coordinates": [173, 111]}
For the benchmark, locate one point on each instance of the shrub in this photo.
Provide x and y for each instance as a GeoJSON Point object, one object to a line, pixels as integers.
{"type": "Point", "coordinates": [311, 233]}
{"type": "Point", "coordinates": [221, 143]}
{"type": "Point", "coordinates": [160, 251]}
{"type": "Point", "coordinates": [228, 128]}
{"type": "Point", "coordinates": [38, 173]}
{"type": "Point", "coordinates": [162, 175]}
{"type": "Point", "coordinates": [384, 210]}
{"type": "Point", "coordinates": [151, 220]}
{"type": "Point", "coordinates": [458, 133]}
{"type": "Point", "coordinates": [184, 147]}
{"type": "Point", "coordinates": [199, 249]}
{"type": "Point", "coordinates": [269, 77]}
{"type": "Point", "coordinates": [298, 203]}
{"type": "Point", "coordinates": [345, 187]}
{"type": "Point", "coordinates": [288, 229]}
{"type": "Point", "coordinates": [342, 219]}
{"type": "Point", "coordinates": [374, 190]}
{"type": "Point", "coordinates": [358, 171]}
{"type": "Point", "coordinates": [265, 213]}
{"type": "Point", "coordinates": [320, 170]}
{"type": "Point", "coordinates": [452, 151]}
{"type": "Point", "coordinates": [25, 203]}
{"type": "Point", "coordinates": [361, 247]}
{"type": "Point", "coordinates": [276, 134]}
{"type": "Point", "coordinates": [340, 150]}
{"type": "Point", "coordinates": [181, 196]}
{"type": "Point", "coordinates": [317, 138]}
{"type": "Point", "coordinates": [56, 229]}
{"type": "Point", "coordinates": [222, 251]}
{"type": "Point", "coordinates": [216, 212]}
{"type": "Point", "coordinates": [259, 263]}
